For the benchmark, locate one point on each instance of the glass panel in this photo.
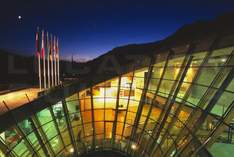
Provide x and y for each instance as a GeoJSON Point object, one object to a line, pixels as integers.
{"type": "Point", "coordinates": [196, 94]}
{"type": "Point", "coordinates": [130, 117]}
{"type": "Point", "coordinates": [41, 153]}
{"type": "Point", "coordinates": [119, 128]}
{"type": "Point", "coordinates": [72, 100]}
{"type": "Point", "coordinates": [26, 127]}
{"type": "Point", "coordinates": [98, 96]}
{"type": "Point", "coordinates": [223, 103]}
{"type": "Point", "coordinates": [165, 88]}
{"type": "Point", "coordinates": [87, 116]}
{"type": "Point", "coordinates": [99, 127]}
{"type": "Point", "coordinates": [59, 116]}
{"type": "Point", "coordinates": [109, 130]}
{"type": "Point", "coordinates": [11, 137]}
{"type": "Point", "coordinates": [21, 148]}
{"type": "Point", "coordinates": [2, 154]}
{"type": "Point", "coordinates": [109, 115]}
{"type": "Point", "coordinates": [231, 86]}
{"type": "Point", "coordinates": [85, 102]}
{"type": "Point", "coordinates": [99, 115]}
{"type": "Point", "coordinates": [49, 130]}
{"type": "Point", "coordinates": [66, 138]}
{"type": "Point", "coordinates": [44, 116]}
{"type": "Point", "coordinates": [56, 144]}
{"type": "Point", "coordinates": [88, 129]}
{"type": "Point", "coordinates": [73, 106]}
{"type": "Point", "coordinates": [33, 140]}
{"type": "Point", "coordinates": [222, 52]}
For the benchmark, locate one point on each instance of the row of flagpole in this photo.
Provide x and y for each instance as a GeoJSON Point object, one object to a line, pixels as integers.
{"type": "Point", "coordinates": [47, 52]}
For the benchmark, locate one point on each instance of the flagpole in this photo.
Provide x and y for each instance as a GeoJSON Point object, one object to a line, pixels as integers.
{"type": "Point", "coordinates": [58, 61]}
{"type": "Point", "coordinates": [39, 67]}
{"type": "Point", "coordinates": [43, 57]}
{"type": "Point", "coordinates": [55, 64]}
{"type": "Point", "coordinates": [48, 58]}
{"type": "Point", "coordinates": [52, 62]}
{"type": "Point", "coordinates": [38, 56]}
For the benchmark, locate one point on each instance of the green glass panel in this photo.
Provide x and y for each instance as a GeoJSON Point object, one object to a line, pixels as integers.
{"type": "Point", "coordinates": [159, 65]}
{"type": "Point", "coordinates": [11, 138]}
{"type": "Point", "coordinates": [50, 130]}
{"type": "Point", "coordinates": [75, 118]}
{"type": "Point", "coordinates": [2, 154]}
{"type": "Point", "coordinates": [33, 139]}
{"type": "Point", "coordinates": [171, 73]}
{"type": "Point", "coordinates": [207, 75]}
{"type": "Point", "coordinates": [223, 103]}
{"type": "Point", "coordinates": [77, 131]}
{"type": "Point", "coordinates": [21, 148]}
{"type": "Point", "coordinates": [222, 51]}
{"type": "Point", "coordinates": [231, 86]}
{"type": "Point", "coordinates": [66, 138]}
{"type": "Point", "coordinates": [56, 144]}
{"type": "Point", "coordinates": [44, 116]}
{"type": "Point", "coordinates": [196, 94]}
{"type": "Point", "coordinates": [176, 62]}
{"type": "Point", "coordinates": [73, 105]}
{"type": "Point", "coordinates": [72, 98]}
{"type": "Point", "coordinates": [165, 87]}
{"type": "Point", "coordinates": [153, 84]}
{"type": "Point", "coordinates": [41, 153]}
{"type": "Point", "coordinates": [25, 126]}
{"type": "Point", "coordinates": [59, 116]}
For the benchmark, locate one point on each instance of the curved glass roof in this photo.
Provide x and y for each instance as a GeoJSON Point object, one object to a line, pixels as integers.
{"type": "Point", "coordinates": [178, 104]}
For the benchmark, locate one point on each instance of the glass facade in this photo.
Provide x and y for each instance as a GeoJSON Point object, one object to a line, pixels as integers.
{"type": "Point", "coordinates": [179, 104]}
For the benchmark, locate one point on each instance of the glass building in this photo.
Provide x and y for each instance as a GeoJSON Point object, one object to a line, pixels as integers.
{"type": "Point", "coordinates": [178, 101]}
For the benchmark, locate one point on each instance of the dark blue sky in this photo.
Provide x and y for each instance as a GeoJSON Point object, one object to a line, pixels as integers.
{"type": "Point", "coordinates": [88, 28]}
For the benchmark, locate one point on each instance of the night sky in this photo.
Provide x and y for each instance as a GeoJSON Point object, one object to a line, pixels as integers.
{"type": "Point", "coordinates": [89, 28]}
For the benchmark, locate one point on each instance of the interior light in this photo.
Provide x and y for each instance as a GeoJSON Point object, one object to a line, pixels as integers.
{"type": "Point", "coordinates": [223, 59]}
{"type": "Point", "coordinates": [71, 150]}
{"type": "Point", "coordinates": [133, 146]}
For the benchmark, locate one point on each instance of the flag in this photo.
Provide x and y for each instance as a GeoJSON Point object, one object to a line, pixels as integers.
{"type": "Point", "coordinates": [37, 43]}
{"type": "Point", "coordinates": [42, 46]}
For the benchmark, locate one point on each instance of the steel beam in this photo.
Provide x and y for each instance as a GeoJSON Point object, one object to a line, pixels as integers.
{"type": "Point", "coordinates": [6, 150]}
{"type": "Point", "coordinates": [171, 102]}
{"type": "Point", "coordinates": [156, 93]}
{"type": "Point", "coordinates": [19, 131]}
{"type": "Point", "coordinates": [212, 102]}
{"type": "Point", "coordinates": [204, 62]}
{"type": "Point", "coordinates": [82, 121]}
{"type": "Point", "coordinates": [69, 126]}
{"type": "Point", "coordinates": [93, 120]}
{"type": "Point", "coordinates": [116, 113]}
{"type": "Point", "coordinates": [56, 126]}
{"type": "Point", "coordinates": [40, 140]}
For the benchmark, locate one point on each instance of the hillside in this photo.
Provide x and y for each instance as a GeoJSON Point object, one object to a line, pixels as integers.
{"type": "Point", "coordinates": [24, 66]}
